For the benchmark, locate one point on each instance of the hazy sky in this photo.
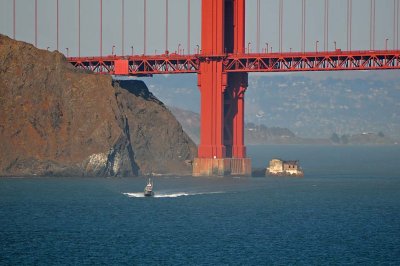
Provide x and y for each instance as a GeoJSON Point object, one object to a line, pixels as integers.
{"type": "Point", "coordinates": [90, 26]}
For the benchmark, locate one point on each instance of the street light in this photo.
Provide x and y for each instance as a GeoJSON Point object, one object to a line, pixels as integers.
{"type": "Point", "coordinates": [179, 48]}
{"type": "Point", "coordinates": [316, 46]}
{"type": "Point", "coordinates": [386, 43]}
{"type": "Point", "coordinates": [67, 51]}
{"type": "Point", "coordinates": [198, 48]}
{"type": "Point", "coordinates": [290, 49]}
{"type": "Point", "coordinates": [271, 49]}
{"type": "Point", "coordinates": [132, 49]}
{"type": "Point", "coordinates": [267, 47]}
{"type": "Point", "coordinates": [334, 43]}
{"type": "Point", "coordinates": [260, 115]}
{"type": "Point", "coordinates": [112, 51]}
{"type": "Point", "coordinates": [248, 47]}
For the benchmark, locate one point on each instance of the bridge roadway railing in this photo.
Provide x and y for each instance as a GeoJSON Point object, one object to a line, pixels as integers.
{"type": "Point", "coordinates": [249, 62]}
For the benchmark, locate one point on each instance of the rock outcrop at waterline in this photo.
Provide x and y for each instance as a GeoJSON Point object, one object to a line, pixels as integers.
{"type": "Point", "coordinates": [58, 120]}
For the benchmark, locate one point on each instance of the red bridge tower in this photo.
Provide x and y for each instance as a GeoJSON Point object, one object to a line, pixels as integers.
{"type": "Point", "coordinates": [221, 150]}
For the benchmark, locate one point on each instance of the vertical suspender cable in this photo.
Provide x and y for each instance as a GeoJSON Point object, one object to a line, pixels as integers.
{"type": "Point", "coordinates": [79, 28]}
{"type": "Point", "coordinates": [166, 25]}
{"type": "Point", "coordinates": [101, 27]}
{"type": "Point", "coordinates": [326, 31]}
{"type": "Point", "coordinates": [325, 25]}
{"type": "Point", "coordinates": [36, 25]}
{"type": "Point", "coordinates": [14, 13]}
{"type": "Point", "coordinates": [305, 23]}
{"type": "Point", "coordinates": [144, 26]}
{"type": "Point", "coordinates": [188, 29]}
{"type": "Point", "coordinates": [58, 24]}
{"type": "Point", "coordinates": [349, 22]}
{"type": "Point", "coordinates": [280, 24]}
{"type": "Point", "coordinates": [302, 26]}
{"type": "Point", "coordinates": [123, 28]}
{"type": "Point", "coordinates": [373, 26]}
{"type": "Point", "coordinates": [258, 26]}
{"type": "Point", "coordinates": [370, 26]}
{"type": "Point", "coordinates": [397, 24]}
{"type": "Point", "coordinates": [282, 28]}
{"type": "Point", "coordinates": [394, 24]}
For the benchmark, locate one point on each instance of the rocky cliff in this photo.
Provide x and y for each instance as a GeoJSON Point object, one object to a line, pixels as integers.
{"type": "Point", "coordinates": [57, 120]}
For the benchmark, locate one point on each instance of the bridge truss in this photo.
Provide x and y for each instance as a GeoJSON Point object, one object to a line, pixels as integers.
{"type": "Point", "coordinates": [141, 65]}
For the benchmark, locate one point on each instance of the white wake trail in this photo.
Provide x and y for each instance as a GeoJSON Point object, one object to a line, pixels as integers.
{"type": "Point", "coordinates": [169, 195]}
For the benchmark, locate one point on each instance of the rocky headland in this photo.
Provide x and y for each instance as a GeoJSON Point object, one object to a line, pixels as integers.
{"type": "Point", "coordinates": [61, 121]}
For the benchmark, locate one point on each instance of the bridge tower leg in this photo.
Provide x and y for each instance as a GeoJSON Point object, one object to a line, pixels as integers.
{"type": "Point", "coordinates": [221, 150]}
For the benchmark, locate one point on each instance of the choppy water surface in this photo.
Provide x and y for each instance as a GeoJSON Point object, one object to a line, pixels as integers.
{"type": "Point", "coordinates": [346, 210]}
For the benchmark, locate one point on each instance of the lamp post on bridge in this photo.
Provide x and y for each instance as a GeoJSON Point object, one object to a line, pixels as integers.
{"type": "Point", "coordinates": [334, 43]}
{"type": "Point", "coordinates": [316, 46]}
{"type": "Point", "coordinates": [267, 47]}
{"type": "Point", "coordinates": [67, 51]}
{"type": "Point", "coordinates": [132, 49]}
{"type": "Point", "coordinates": [386, 43]}
{"type": "Point", "coordinates": [113, 49]}
{"type": "Point", "coordinates": [198, 49]}
{"type": "Point", "coordinates": [248, 47]}
{"type": "Point", "coordinates": [179, 48]}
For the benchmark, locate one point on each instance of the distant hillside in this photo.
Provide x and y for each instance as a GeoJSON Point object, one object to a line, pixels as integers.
{"type": "Point", "coordinates": [254, 134]}
{"type": "Point", "coordinates": [311, 105]}
{"type": "Point", "coordinates": [190, 122]}
{"type": "Point", "coordinates": [362, 139]}
{"type": "Point", "coordinates": [317, 108]}
{"type": "Point", "coordinates": [260, 134]}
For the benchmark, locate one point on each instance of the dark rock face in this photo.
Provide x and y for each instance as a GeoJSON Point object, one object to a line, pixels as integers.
{"type": "Point", "coordinates": [57, 120]}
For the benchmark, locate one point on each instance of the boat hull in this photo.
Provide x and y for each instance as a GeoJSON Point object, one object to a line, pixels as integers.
{"type": "Point", "coordinates": [148, 193]}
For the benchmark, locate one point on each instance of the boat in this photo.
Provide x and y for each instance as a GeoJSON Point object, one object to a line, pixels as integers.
{"type": "Point", "coordinates": [148, 190]}
{"type": "Point", "coordinates": [278, 167]}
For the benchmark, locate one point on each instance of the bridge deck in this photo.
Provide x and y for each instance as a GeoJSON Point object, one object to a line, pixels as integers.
{"type": "Point", "coordinates": [253, 62]}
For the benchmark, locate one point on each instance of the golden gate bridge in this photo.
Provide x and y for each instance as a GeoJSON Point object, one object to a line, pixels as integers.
{"type": "Point", "coordinates": [223, 62]}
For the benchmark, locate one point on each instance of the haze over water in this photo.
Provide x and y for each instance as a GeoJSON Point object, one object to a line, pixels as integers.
{"type": "Point", "coordinates": [346, 210]}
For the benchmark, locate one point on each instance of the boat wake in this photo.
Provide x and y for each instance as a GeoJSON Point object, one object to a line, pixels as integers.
{"type": "Point", "coordinates": [169, 195]}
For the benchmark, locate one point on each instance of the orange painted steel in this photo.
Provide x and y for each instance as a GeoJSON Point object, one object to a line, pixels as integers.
{"type": "Point", "coordinates": [264, 62]}
{"type": "Point", "coordinates": [237, 82]}
{"type": "Point", "coordinates": [314, 61]}
{"type": "Point", "coordinates": [212, 81]}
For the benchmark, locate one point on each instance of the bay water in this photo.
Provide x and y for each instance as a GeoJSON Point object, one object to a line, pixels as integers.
{"type": "Point", "coordinates": [346, 210]}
